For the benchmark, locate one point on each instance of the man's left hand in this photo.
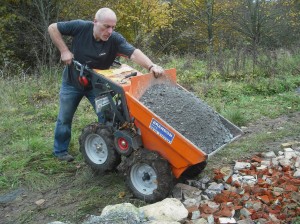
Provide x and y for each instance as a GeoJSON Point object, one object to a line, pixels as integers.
{"type": "Point", "coordinates": [156, 70]}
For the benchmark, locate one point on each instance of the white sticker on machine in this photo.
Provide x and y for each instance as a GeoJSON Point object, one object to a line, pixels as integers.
{"type": "Point", "coordinates": [161, 130]}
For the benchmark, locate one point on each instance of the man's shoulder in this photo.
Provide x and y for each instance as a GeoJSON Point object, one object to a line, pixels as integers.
{"type": "Point", "coordinates": [117, 36]}
{"type": "Point", "coordinates": [83, 22]}
{"type": "Point", "coordinates": [74, 26]}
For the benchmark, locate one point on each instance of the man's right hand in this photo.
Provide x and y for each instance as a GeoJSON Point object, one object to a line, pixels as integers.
{"type": "Point", "coordinates": [67, 57]}
{"type": "Point", "coordinates": [65, 54]}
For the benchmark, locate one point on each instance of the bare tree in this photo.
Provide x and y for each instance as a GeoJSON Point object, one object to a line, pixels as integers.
{"type": "Point", "coordinates": [251, 19]}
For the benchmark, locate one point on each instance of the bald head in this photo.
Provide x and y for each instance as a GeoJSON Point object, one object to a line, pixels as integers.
{"type": "Point", "coordinates": [104, 14]}
{"type": "Point", "coordinates": [104, 24]}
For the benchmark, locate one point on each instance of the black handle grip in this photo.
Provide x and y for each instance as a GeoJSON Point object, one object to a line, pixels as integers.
{"type": "Point", "coordinates": [130, 75]}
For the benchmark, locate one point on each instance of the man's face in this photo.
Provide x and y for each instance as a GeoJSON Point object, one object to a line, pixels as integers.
{"type": "Point", "coordinates": [104, 28]}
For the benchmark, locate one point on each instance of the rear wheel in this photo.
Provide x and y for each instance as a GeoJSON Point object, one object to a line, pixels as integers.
{"type": "Point", "coordinates": [149, 176]}
{"type": "Point", "coordinates": [97, 147]}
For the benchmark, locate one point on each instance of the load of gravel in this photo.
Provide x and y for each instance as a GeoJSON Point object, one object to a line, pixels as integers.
{"type": "Point", "coordinates": [188, 115]}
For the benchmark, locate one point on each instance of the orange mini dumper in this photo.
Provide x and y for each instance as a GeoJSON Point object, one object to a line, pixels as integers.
{"type": "Point", "coordinates": [154, 153]}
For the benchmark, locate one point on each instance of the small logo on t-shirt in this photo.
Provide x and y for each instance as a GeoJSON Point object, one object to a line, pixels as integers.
{"type": "Point", "coordinates": [102, 54]}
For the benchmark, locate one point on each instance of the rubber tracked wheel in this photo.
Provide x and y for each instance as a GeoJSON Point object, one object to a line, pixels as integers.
{"type": "Point", "coordinates": [97, 147]}
{"type": "Point", "coordinates": [149, 176]}
{"type": "Point", "coordinates": [194, 171]}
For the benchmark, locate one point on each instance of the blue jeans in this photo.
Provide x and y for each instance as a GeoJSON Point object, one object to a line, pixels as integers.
{"type": "Point", "coordinates": [69, 99]}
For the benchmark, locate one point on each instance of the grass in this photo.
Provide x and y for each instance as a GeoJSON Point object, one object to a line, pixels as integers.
{"type": "Point", "coordinates": [29, 106]}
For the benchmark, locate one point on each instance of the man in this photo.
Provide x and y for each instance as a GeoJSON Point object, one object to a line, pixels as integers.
{"type": "Point", "coordinates": [97, 45]}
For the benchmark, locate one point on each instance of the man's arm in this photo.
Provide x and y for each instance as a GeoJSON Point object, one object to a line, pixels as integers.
{"type": "Point", "coordinates": [141, 59]}
{"type": "Point", "coordinates": [56, 37]}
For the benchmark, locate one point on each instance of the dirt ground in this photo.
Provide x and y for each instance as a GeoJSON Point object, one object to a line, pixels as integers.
{"type": "Point", "coordinates": [25, 207]}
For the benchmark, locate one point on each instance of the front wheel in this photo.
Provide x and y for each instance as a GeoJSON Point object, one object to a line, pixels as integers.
{"type": "Point", "coordinates": [149, 176]}
{"type": "Point", "coordinates": [97, 147]}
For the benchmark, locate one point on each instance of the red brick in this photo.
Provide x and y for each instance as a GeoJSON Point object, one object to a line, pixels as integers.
{"type": "Point", "coordinates": [224, 212]}
{"type": "Point", "coordinates": [290, 187]}
{"type": "Point", "coordinates": [229, 180]}
{"type": "Point", "coordinates": [206, 209]}
{"type": "Point", "coordinates": [192, 208]}
{"type": "Point", "coordinates": [256, 159]}
{"type": "Point", "coordinates": [204, 215]}
{"type": "Point", "coordinates": [265, 199]}
{"type": "Point", "coordinates": [236, 184]}
{"type": "Point", "coordinates": [220, 198]}
{"type": "Point", "coordinates": [286, 168]}
{"type": "Point", "coordinates": [281, 216]}
{"type": "Point", "coordinates": [295, 181]}
{"type": "Point", "coordinates": [218, 176]}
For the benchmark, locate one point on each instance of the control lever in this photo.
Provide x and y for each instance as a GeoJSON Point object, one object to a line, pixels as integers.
{"type": "Point", "coordinates": [128, 76]}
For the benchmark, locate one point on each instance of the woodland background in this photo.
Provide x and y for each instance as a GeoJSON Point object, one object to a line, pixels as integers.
{"type": "Point", "coordinates": [206, 29]}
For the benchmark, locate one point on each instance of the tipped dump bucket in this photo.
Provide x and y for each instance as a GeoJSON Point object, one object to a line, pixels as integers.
{"type": "Point", "coordinates": [174, 139]}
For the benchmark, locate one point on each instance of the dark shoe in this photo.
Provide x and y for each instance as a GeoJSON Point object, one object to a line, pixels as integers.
{"type": "Point", "coordinates": [66, 157]}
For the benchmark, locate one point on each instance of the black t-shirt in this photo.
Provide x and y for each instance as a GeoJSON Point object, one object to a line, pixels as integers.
{"type": "Point", "coordinates": [88, 51]}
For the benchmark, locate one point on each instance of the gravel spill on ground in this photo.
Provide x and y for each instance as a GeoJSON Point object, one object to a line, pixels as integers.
{"type": "Point", "coordinates": [188, 115]}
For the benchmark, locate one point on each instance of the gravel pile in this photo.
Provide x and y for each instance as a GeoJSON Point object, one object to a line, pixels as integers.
{"type": "Point", "coordinates": [188, 115]}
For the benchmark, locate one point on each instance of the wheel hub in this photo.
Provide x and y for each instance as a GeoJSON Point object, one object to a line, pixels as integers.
{"type": "Point", "coordinates": [123, 144]}
{"type": "Point", "coordinates": [143, 178]}
{"type": "Point", "coordinates": [146, 177]}
{"type": "Point", "coordinates": [96, 149]}
{"type": "Point", "coordinates": [99, 147]}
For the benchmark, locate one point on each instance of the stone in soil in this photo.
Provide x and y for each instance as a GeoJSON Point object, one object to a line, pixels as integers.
{"type": "Point", "coordinates": [188, 115]}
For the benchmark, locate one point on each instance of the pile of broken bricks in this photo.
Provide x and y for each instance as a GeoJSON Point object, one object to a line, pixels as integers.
{"type": "Point", "coordinates": [262, 189]}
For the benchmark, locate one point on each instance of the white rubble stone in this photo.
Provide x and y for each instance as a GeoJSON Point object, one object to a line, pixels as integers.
{"type": "Point", "coordinates": [289, 153]}
{"type": "Point", "coordinates": [288, 150]}
{"type": "Point", "coordinates": [284, 162]}
{"type": "Point", "coordinates": [123, 206]}
{"type": "Point", "coordinates": [169, 209]}
{"type": "Point", "coordinates": [247, 179]}
{"type": "Point", "coordinates": [266, 162]}
{"type": "Point", "coordinates": [280, 157]}
{"type": "Point", "coordinates": [189, 191]}
{"type": "Point", "coordinates": [223, 220]}
{"type": "Point", "coordinates": [297, 173]}
{"type": "Point", "coordinates": [297, 162]}
{"type": "Point", "coordinates": [278, 189]}
{"type": "Point", "coordinates": [191, 202]}
{"type": "Point", "coordinates": [162, 222]}
{"type": "Point", "coordinates": [118, 213]}
{"type": "Point", "coordinates": [275, 162]}
{"type": "Point", "coordinates": [216, 187]}
{"type": "Point", "coordinates": [245, 221]}
{"type": "Point", "coordinates": [262, 167]}
{"type": "Point", "coordinates": [257, 205]}
{"type": "Point", "coordinates": [273, 218]}
{"type": "Point", "coordinates": [210, 219]}
{"type": "Point", "coordinates": [241, 165]}
{"type": "Point", "coordinates": [213, 204]}
{"type": "Point", "coordinates": [269, 181]}
{"type": "Point", "coordinates": [199, 221]}
{"type": "Point", "coordinates": [270, 154]}
{"type": "Point", "coordinates": [245, 212]}
{"type": "Point", "coordinates": [195, 215]}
